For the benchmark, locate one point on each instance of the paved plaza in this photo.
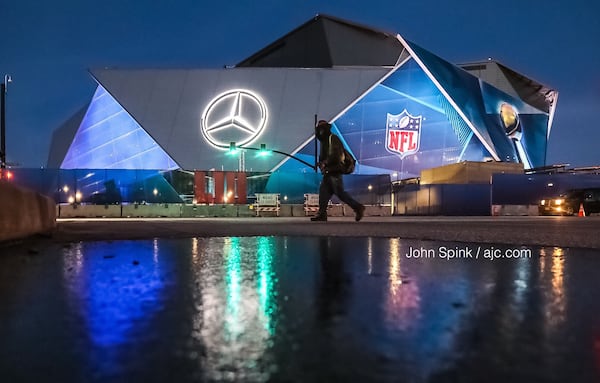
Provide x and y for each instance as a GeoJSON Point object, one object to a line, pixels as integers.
{"type": "Point", "coordinates": [541, 231]}
{"type": "Point", "coordinates": [387, 299]}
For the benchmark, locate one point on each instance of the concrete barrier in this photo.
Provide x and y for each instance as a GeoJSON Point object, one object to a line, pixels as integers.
{"type": "Point", "coordinates": [245, 211]}
{"type": "Point", "coordinates": [377, 210]}
{"type": "Point", "coordinates": [88, 211]}
{"type": "Point", "coordinates": [298, 211]}
{"type": "Point", "coordinates": [169, 210]}
{"type": "Point", "coordinates": [200, 211]}
{"type": "Point", "coordinates": [24, 213]}
{"type": "Point", "coordinates": [285, 210]}
{"type": "Point", "coordinates": [514, 210]}
{"type": "Point", "coordinates": [222, 211]}
{"type": "Point", "coordinates": [194, 211]}
{"type": "Point", "coordinates": [336, 210]}
{"type": "Point", "coordinates": [348, 212]}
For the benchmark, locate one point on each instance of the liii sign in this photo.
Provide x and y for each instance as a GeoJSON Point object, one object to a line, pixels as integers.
{"type": "Point", "coordinates": [237, 115]}
{"type": "Point", "coordinates": [403, 133]}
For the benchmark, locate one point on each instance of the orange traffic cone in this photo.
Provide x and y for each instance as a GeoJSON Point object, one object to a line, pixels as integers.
{"type": "Point", "coordinates": [581, 210]}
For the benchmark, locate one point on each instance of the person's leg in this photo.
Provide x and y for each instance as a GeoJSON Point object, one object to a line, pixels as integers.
{"type": "Point", "coordinates": [337, 184]}
{"type": "Point", "coordinates": [325, 193]}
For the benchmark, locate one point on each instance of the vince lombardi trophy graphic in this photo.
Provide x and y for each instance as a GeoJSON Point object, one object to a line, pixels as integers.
{"type": "Point", "coordinates": [512, 128]}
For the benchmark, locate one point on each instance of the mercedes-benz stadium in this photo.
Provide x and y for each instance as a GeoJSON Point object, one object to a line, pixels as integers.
{"type": "Point", "coordinates": [398, 108]}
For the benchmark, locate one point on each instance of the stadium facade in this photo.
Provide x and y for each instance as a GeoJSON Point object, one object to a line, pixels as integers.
{"type": "Point", "coordinates": [398, 108]}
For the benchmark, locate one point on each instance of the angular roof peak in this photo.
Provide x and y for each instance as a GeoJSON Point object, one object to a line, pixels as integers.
{"type": "Point", "coordinates": [514, 83]}
{"type": "Point", "coordinates": [325, 41]}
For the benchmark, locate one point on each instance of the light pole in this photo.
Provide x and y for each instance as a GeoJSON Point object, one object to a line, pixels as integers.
{"type": "Point", "coordinates": [3, 89]}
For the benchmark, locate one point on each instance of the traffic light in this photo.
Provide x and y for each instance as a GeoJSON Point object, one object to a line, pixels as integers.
{"type": "Point", "coordinates": [263, 150]}
{"type": "Point", "coordinates": [232, 148]}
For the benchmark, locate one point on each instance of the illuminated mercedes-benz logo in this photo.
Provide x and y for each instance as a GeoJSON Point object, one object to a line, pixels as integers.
{"type": "Point", "coordinates": [237, 115]}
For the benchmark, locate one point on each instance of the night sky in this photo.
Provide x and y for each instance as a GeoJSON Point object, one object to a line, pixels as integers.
{"type": "Point", "coordinates": [48, 46]}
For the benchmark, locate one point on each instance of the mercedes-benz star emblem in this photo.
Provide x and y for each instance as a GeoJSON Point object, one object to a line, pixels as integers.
{"type": "Point", "coordinates": [237, 115]}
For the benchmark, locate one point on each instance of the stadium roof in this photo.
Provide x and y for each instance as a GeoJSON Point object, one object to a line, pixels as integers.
{"type": "Point", "coordinates": [516, 84]}
{"type": "Point", "coordinates": [326, 42]}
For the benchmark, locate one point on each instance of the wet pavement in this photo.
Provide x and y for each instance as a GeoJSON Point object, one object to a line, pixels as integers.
{"type": "Point", "coordinates": [297, 309]}
{"type": "Point", "coordinates": [534, 230]}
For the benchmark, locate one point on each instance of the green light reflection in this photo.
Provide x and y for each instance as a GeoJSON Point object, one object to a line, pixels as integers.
{"type": "Point", "coordinates": [233, 283]}
{"type": "Point", "coordinates": [266, 282]}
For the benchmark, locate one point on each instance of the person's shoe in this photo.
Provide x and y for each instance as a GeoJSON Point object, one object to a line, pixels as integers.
{"type": "Point", "coordinates": [319, 217]}
{"type": "Point", "coordinates": [360, 212]}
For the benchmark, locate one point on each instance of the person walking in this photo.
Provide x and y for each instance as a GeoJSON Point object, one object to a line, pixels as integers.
{"type": "Point", "coordinates": [331, 160]}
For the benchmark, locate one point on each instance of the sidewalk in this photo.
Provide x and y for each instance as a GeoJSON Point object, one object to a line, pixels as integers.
{"type": "Point", "coordinates": [516, 231]}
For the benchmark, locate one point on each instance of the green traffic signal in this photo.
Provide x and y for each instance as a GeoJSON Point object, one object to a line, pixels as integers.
{"type": "Point", "coordinates": [232, 148]}
{"type": "Point", "coordinates": [263, 150]}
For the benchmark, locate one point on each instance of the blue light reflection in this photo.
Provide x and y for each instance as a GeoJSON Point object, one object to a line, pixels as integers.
{"type": "Point", "coordinates": [116, 288]}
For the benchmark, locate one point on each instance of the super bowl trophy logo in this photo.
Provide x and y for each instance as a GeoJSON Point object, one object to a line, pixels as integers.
{"type": "Point", "coordinates": [403, 133]}
{"type": "Point", "coordinates": [237, 115]}
{"type": "Point", "coordinates": [512, 128]}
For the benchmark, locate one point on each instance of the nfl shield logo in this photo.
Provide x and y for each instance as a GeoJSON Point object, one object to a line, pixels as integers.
{"type": "Point", "coordinates": [403, 133]}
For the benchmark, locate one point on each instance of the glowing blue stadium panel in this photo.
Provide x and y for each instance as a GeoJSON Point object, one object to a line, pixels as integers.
{"type": "Point", "coordinates": [109, 138]}
{"type": "Point", "coordinates": [515, 130]}
{"type": "Point", "coordinates": [402, 126]}
{"type": "Point", "coordinates": [406, 124]}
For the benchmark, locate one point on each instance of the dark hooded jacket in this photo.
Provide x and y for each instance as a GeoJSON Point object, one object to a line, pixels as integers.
{"type": "Point", "coordinates": [332, 149]}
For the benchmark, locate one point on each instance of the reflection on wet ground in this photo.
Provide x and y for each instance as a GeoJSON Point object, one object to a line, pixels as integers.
{"type": "Point", "coordinates": [298, 309]}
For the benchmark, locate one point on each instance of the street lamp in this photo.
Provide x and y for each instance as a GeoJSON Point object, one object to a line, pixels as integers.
{"type": "Point", "coordinates": [3, 88]}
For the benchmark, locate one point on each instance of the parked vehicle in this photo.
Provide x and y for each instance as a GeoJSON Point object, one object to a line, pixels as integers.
{"type": "Point", "coordinates": [570, 202]}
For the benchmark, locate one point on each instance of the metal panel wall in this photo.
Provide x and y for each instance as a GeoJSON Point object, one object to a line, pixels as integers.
{"type": "Point", "coordinates": [169, 104]}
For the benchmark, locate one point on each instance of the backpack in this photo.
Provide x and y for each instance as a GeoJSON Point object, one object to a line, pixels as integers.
{"type": "Point", "coordinates": [348, 162]}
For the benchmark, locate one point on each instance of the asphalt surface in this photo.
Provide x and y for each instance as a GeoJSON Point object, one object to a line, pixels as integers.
{"type": "Point", "coordinates": [387, 299]}
{"type": "Point", "coordinates": [297, 308]}
{"type": "Point", "coordinates": [581, 232]}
